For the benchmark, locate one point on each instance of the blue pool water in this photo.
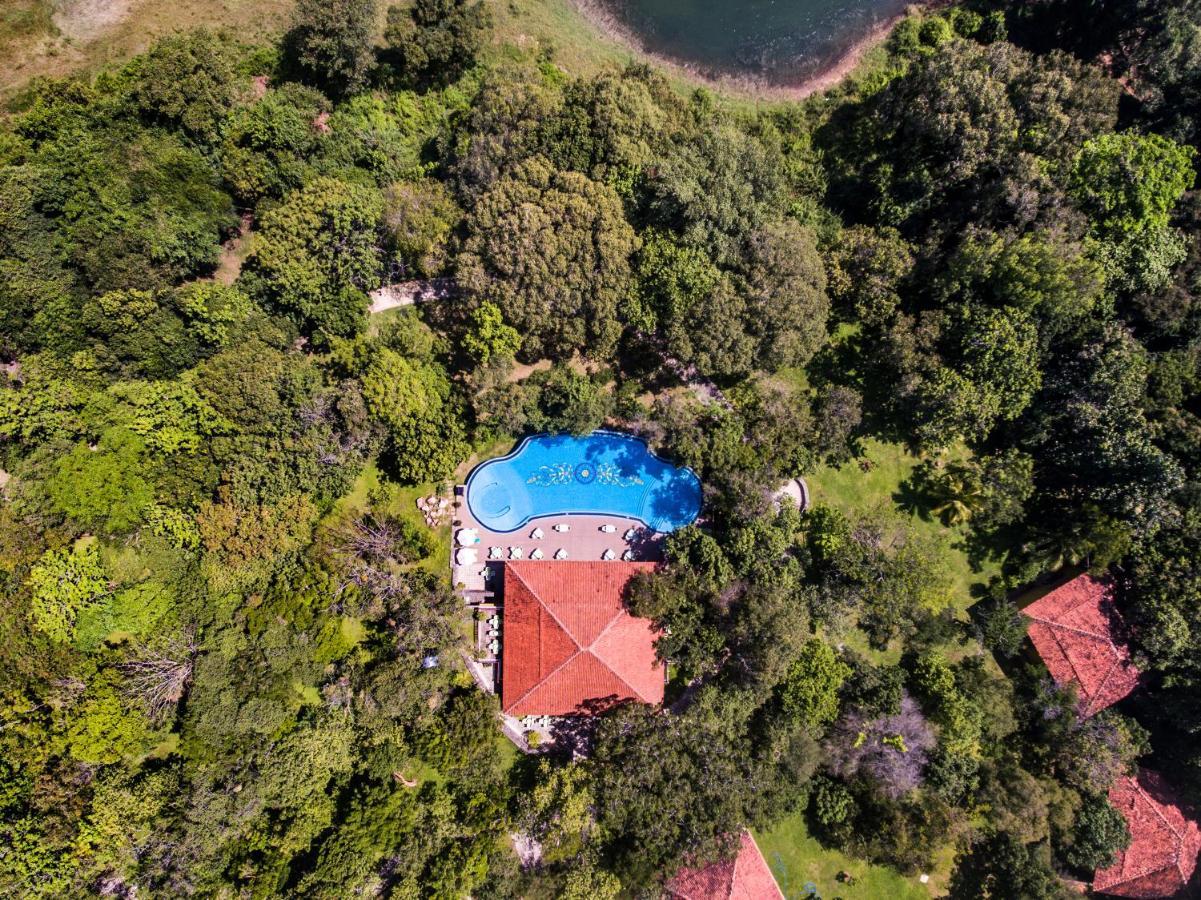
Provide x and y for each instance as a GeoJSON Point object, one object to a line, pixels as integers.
{"type": "Point", "coordinates": [602, 473]}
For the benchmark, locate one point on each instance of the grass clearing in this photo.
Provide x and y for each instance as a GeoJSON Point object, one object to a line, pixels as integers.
{"type": "Point", "coordinates": [401, 502]}
{"type": "Point", "coordinates": [798, 860]}
{"type": "Point", "coordinates": [853, 489]}
{"type": "Point", "coordinates": [40, 38]}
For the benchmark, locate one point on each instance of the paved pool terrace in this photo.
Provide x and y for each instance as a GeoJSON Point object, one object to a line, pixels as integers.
{"type": "Point", "coordinates": [587, 483]}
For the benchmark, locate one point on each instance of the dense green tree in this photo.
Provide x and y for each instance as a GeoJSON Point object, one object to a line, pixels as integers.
{"type": "Point", "coordinates": [866, 270]}
{"type": "Point", "coordinates": [787, 304]}
{"type": "Point", "coordinates": [418, 220]}
{"type": "Point", "coordinates": [103, 487]}
{"type": "Point", "coordinates": [1047, 274]}
{"type": "Point", "coordinates": [268, 144]}
{"type": "Point", "coordinates": [1003, 866]}
{"type": "Point", "coordinates": [569, 401]}
{"type": "Point", "coordinates": [552, 250]}
{"type": "Point", "coordinates": [1128, 184]}
{"type": "Point", "coordinates": [810, 693]}
{"type": "Point", "coordinates": [316, 254]}
{"type": "Point", "coordinates": [63, 584]}
{"type": "Point", "coordinates": [1099, 834]}
{"type": "Point", "coordinates": [187, 80]}
{"type": "Point", "coordinates": [717, 189]}
{"type": "Point", "coordinates": [330, 43]}
{"type": "Point", "coordinates": [992, 376]}
{"type": "Point", "coordinates": [433, 42]}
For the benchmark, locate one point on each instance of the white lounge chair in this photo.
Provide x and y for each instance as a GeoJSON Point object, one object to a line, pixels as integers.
{"type": "Point", "coordinates": [536, 534]}
{"type": "Point", "coordinates": [630, 534]}
{"type": "Point", "coordinates": [536, 553]}
{"type": "Point", "coordinates": [496, 553]}
{"type": "Point", "coordinates": [560, 553]}
{"type": "Point", "coordinates": [562, 526]}
{"type": "Point", "coordinates": [628, 556]}
{"type": "Point", "coordinates": [608, 554]}
{"type": "Point", "coordinates": [608, 529]}
{"type": "Point", "coordinates": [515, 553]}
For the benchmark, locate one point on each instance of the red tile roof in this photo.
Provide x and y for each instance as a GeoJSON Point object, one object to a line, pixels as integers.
{"type": "Point", "coordinates": [1163, 842]}
{"type": "Point", "coordinates": [745, 877]}
{"type": "Point", "coordinates": [568, 639]}
{"type": "Point", "coordinates": [1072, 629]}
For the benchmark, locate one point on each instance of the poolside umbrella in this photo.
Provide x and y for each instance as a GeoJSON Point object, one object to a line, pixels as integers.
{"type": "Point", "coordinates": [630, 534]}
{"type": "Point", "coordinates": [536, 534]}
{"type": "Point", "coordinates": [628, 555]}
{"type": "Point", "coordinates": [468, 536]}
{"type": "Point", "coordinates": [536, 553]}
{"type": "Point", "coordinates": [495, 553]}
{"type": "Point", "coordinates": [560, 553]}
{"type": "Point", "coordinates": [608, 554]}
{"type": "Point", "coordinates": [514, 553]}
{"type": "Point", "coordinates": [562, 526]}
{"type": "Point", "coordinates": [466, 556]}
{"type": "Point", "coordinates": [608, 529]}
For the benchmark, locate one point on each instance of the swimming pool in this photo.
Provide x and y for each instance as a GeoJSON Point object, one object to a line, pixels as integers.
{"type": "Point", "coordinates": [603, 473]}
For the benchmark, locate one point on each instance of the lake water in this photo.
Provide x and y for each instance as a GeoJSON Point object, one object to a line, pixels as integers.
{"type": "Point", "coordinates": [777, 41]}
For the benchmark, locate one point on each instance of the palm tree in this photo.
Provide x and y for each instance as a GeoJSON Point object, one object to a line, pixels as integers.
{"type": "Point", "coordinates": [957, 494]}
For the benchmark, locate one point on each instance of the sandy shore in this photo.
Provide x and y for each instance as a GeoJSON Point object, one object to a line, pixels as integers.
{"type": "Point", "coordinates": [597, 13]}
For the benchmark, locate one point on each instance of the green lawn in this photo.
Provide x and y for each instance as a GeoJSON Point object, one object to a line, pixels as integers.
{"type": "Point", "coordinates": [797, 860]}
{"type": "Point", "coordinates": [853, 490]}
{"type": "Point", "coordinates": [401, 501]}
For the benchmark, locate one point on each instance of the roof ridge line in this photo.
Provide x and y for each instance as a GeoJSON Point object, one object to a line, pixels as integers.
{"type": "Point", "coordinates": [1176, 860]}
{"type": "Point", "coordinates": [550, 612]}
{"type": "Point", "coordinates": [1071, 665]}
{"type": "Point", "coordinates": [1155, 806]}
{"type": "Point", "coordinates": [1101, 687]}
{"type": "Point", "coordinates": [547, 676]}
{"type": "Point", "coordinates": [1051, 623]}
{"type": "Point", "coordinates": [633, 690]}
{"type": "Point", "coordinates": [562, 627]}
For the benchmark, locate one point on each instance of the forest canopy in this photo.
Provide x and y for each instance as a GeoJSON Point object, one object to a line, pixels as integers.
{"type": "Point", "coordinates": [231, 656]}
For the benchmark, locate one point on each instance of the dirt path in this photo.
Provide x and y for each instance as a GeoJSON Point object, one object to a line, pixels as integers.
{"type": "Point", "coordinates": [233, 253]}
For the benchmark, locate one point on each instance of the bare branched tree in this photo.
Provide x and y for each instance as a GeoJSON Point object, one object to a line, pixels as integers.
{"type": "Point", "coordinates": [160, 678]}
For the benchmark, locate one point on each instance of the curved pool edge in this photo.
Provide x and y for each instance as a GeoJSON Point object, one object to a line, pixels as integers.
{"type": "Point", "coordinates": [687, 471]}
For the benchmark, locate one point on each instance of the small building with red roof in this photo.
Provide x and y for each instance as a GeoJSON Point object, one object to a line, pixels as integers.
{"type": "Point", "coordinates": [1072, 628]}
{"type": "Point", "coordinates": [745, 877]}
{"type": "Point", "coordinates": [1163, 841]}
{"type": "Point", "coordinates": [569, 643]}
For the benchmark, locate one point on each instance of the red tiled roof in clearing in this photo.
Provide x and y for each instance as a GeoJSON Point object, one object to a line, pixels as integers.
{"type": "Point", "coordinates": [1072, 629]}
{"type": "Point", "coordinates": [568, 639]}
{"type": "Point", "coordinates": [1163, 841]}
{"type": "Point", "coordinates": [745, 877]}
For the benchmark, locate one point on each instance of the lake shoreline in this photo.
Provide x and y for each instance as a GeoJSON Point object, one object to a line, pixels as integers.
{"type": "Point", "coordinates": [601, 17]}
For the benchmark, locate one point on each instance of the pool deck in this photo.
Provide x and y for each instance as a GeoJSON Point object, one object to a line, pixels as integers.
{"type": "Point", "coordinates": [584, 542]}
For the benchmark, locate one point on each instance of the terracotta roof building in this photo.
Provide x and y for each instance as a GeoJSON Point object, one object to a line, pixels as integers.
{"type": "Point", "coordinates": [1163, 841]}
{"type": "Point", "coordinates": [569, 642]}
{"type": "Point", "coordinates": [1072, 629]}
{"type": "Point", "coordinates": [745, 877]}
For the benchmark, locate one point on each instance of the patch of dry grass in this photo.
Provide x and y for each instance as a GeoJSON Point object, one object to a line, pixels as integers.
{"type": "Point", "coordinates": [59, 38]}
